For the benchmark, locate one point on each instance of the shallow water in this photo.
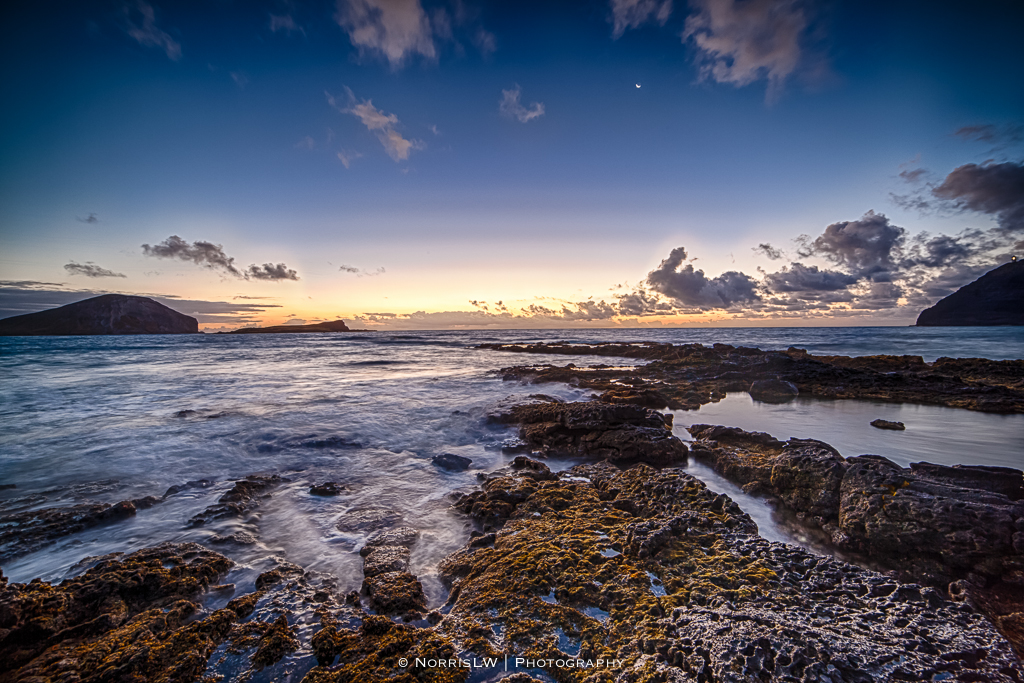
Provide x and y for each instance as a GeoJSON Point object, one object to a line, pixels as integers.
{"type": "Point", "coordinates": [94, 419]}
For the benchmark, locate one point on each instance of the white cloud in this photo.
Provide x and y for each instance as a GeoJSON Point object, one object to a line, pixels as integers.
{"type": "Point", "coordinates": [627, 14]}
{"type": "Point", "coordinates": [148, 33]}
{"type": "Point", "coordinates": [346, 157]}
{"type": "Point", "coordinates": [383, 125]}
{"type": "Point", "coordinates": [511, 106]}
{"type": "Point", "coordinates": [396, 29]}
{"type": "Point", "coordinates": [284, 23]}
{"type": "Point", "coordinates": [740, 42]}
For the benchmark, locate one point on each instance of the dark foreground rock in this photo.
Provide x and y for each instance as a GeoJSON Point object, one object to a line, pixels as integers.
{"type": "Point", "coordinates": [686, 376]}
{"type": "Point", "coordinates": [930, 523]}
{"type": "Point", "coordinates": [621, 434]}
{"type": "Point", "coordinates": [996, 298]}
{"type": "Point", "coordinates": [596, 575]}
{"type": "Point", "coordinates": [888, 424]}
{"type": "Point", "coordinates": [107, 314]}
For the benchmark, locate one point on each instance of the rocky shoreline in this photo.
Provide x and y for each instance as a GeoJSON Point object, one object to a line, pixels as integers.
{"type": "Point", "coordinates": [623, 568]}
{"type": "Point", "coordinates": [687, 376]}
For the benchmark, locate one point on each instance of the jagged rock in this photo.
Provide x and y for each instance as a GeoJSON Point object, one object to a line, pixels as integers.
{"type": "Point", "coordinates": [25, 532]}
{"type": "Point", "coordinates": [620, 433]}
{"type": "Point", "coordinates": [384, 559]}
{"type": "Point", "coordinates": [773, 390]}
{"type": "Point", "coordinates": [368, 519]}
{"type": "Point", "coordinates": [887, 424]}
{"type": "Point", "coordinates": [123, 619]}
{"type": "Point", "coordinates": [328, 488]}
{"type": "Point", "coordinates": [932, 524]}
{"type": "Point", "coordinates": [450, 461]}
{"type": "Point", "coordinates": [404, 536]}
{"type": "Point", "coordinates": [395, 593]}
{"type": "Point", "coordinates": [687, 376]}
{"type": "Point", "coordinates": [240, 498]}
{"type": "Point", "coordinates": [106, 314]}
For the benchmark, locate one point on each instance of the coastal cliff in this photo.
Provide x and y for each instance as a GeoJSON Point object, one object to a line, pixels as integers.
{"type": "Point", "coordinates": [107, 314]}
{"type": "Point", "coordinates": [996, 298]}
{"type": "Point", "coordinates": [332, 326]}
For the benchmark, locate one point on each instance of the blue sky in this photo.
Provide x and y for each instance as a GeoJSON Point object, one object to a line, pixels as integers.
{"type": "Point", "coordinates": [407, 158]}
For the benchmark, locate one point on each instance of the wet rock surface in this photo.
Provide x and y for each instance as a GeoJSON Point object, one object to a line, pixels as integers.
{"type": "Point", "coordinates": [686, 376]}
{"type": "Point", "coordinates": [240, 498]}
{"type": "Point", "coordinates": [621, 434]}
{"type": "Point", "coordinates": [645, 568]}
{"type": "Point", "coordinates": [450, 461]}
{"type": "Point", "coordinates": [26, 531]}
{"type": "Point", "coordinates": [933, 524]}
{"type": "Point", "coordinates": [888, 424]}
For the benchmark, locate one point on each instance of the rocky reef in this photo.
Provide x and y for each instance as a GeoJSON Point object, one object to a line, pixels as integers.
{"type": "Point", "coordinates": [959, 527]}
{"type": "Point", "coordinates": [595, 574]}
{"type": "Point", "coordinates": [621, 434]}
{"type": "Point", "coordinates": [107, 314]}
{"type": "Point", "coordinates": [686, 376]}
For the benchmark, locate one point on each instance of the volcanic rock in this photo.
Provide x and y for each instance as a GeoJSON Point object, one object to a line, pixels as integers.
{"type": "Point", "coordinates": [687, 376]}
{"type": "Point", "coordinates": [107, 314]}
{"type": "Point", "coordinates": [930, 523]}
{"type": "Point", "coordinates": [450, 461]}
{"type": "Point", "coordinates": [887, 424]}
{"type": "Point", "coordinates": [25, 532]}
{"type": "Point", "coordinates": [620, 433]}
{"type": "Point", "coordinates": [773, 391]}
{"type": "Point", "coordinates": [996, 298]}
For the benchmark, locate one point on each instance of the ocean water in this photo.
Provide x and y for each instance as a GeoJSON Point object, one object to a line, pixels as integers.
{"type": "Point", "coordinates": [95, 419]}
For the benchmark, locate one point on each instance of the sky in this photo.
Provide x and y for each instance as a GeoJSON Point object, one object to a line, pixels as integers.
{"type": "Point", "coordinates": [411, 164]}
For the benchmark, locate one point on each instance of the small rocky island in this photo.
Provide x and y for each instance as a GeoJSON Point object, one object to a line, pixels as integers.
{"type": "Point", "coordinates": [106, 314]}
{"type": "Point", "coordinates": [996, 298]}
{"type": "Point", "coordinates": [331, 326]}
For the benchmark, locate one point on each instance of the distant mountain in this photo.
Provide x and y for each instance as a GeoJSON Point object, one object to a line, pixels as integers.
{"type": "Point", "coordinates": [107, 314]}
{"type": "Point", "coordinates": [995, 298]}
{"type": "Point", "coordinates": [334, 326]}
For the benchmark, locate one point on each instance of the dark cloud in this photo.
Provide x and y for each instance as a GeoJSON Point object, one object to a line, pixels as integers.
{"type": "Point", "coordinates": [913, 175]}
{"type": "Point", "coordinates": [692, 288]}
{"type": "Point", "coordinates": [994, 135]}
{"type": "Point", "coordinates": [994, 189]}
{"type": "Point", "coordinates": [359, 272]}
{"type": "Point", "coordinates": [800, 278]}
{"type": "Point", "coordinates": [210, 255]}
{"type": "Point", "coordinates": [91, 218]}
{"type": "Point", "coordinates": [271, 271]}
{"type": "Point", "coordinates": [201, 253]}
{"type": "Point", "coordinates": [865, 247]}
{"type": "Point", "coordinates": [90, 269]}
{"type": "Point", "coordinates": [768, 250]}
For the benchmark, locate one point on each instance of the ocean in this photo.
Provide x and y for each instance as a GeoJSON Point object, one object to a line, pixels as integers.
{"type": "Point", "coordinates": [104, 419]}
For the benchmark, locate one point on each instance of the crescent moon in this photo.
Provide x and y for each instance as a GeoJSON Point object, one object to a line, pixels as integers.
{"type": "Point", "coordinates": [638, 85]}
